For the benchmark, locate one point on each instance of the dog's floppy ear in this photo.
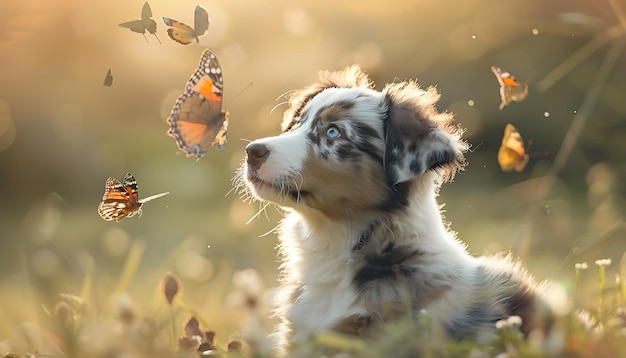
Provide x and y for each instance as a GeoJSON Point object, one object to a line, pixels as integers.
{"type": "Point", "coordinates": [417, 137]}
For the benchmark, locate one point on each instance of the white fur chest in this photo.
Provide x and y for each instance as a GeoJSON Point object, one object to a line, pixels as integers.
{"type": "Point", "coordinates": [323, 272]}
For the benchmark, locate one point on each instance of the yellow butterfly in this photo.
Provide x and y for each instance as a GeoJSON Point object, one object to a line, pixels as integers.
{"type": "Point", "coordinates": [183, 33]}
{"type": "Point", "coordinates": [512, 153]}
{"type": "Point", "coordinates": [108, 79]}
{"type": "Point", "coordinates": [143, 25]}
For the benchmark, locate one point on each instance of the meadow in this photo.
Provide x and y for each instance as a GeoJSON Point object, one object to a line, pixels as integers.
{"type": "Point", "coordinates": [74, 285]}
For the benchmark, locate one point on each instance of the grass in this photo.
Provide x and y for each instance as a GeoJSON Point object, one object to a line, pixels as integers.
{"type": "Point", "coordinates": [116, 326]}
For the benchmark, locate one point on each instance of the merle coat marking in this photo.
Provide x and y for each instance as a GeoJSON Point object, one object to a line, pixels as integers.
{"type": "Point", "coordinates": [357, 172]}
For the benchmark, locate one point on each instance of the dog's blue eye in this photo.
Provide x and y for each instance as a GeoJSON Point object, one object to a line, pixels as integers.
{"type": "Point", "coordinates": [333, 132]}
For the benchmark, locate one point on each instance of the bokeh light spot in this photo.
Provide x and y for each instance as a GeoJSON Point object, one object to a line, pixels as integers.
{"type": "Point", "coordinates": [115, 241]}
{"type": "Point", "coordinates": [45, 263]}
{"type": "Point", "coordinates": [193, 266]}
{"type": "Point", "coordinates": [297, 21]}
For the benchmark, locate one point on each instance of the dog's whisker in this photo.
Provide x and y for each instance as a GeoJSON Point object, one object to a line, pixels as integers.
{"type": "Point", "coordinates": [234, 188]}
{"type": "Point", "coordinates": [278, 105]}
{"type": "Point", "coordinates": [258, 213]}
{"type": "Point", "coordinates": [284, 94]}
{"type": "Point", "coordinates": [270, 231]}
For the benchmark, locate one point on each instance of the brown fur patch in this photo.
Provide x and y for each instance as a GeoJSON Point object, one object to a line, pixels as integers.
{"type": "Point", "coordinates": [335, 112]}
{"type": "Point", "coordinates": [341, 190]}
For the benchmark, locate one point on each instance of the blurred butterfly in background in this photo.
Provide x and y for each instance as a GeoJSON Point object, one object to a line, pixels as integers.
{"type": "Point", "coordinates": [145, 24]}
{"type": "Point", "coordinates": [512, 153]}
{"type": "Point", "coordinates": [183, 33]}
{"type": "Point", "coordinates": [511, 90]}
{"type": "Point", "coordinates": [108, 79]}
{"type": "Point", "coordinates": [197, 120]}
{"type": "Point", "coordinates": [120, 200]}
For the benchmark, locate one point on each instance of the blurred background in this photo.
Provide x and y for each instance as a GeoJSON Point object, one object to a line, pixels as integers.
{"type": "Point", "coordinates": [62, 133]}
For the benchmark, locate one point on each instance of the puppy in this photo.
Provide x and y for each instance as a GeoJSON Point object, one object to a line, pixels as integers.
{"type": "Point", "coordinates": [357, 172]}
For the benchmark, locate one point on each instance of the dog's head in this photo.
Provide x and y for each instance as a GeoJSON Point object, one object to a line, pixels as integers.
{"type": "Point", "coordinates": [347, 149]}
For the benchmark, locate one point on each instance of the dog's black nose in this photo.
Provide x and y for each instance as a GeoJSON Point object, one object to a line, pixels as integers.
{"type": "Point", "coordinates": [257, 153]}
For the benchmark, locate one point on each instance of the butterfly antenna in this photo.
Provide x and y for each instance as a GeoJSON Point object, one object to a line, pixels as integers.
{"type": "Point", "coordinates": [242, 91]}
{"type": "Point", "coordinates": [545, 153]}
{"type": "Point", "coordinates": [144, 36]}
{"type": "Point", "coordinates": [157, 37]}
{"type": "Point", "coordinates": [530, 75]}
{"type": "Point", "coordinates": [245, 140]}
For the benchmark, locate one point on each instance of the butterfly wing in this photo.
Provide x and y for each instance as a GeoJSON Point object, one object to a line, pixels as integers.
{"type": "Point", "coordinates": [197, 121]}
{"type": "Point", "coordinates": [512, 153]}
{"type": "Point", "coordinates": [108, 79]}
{"type": "Point", "coordinates": [134, 26]}
{"type": "Point", "coordinates": [179, 31]}
{"type": "Point", "coordinates": [146, 12]}
{"type": "Point", "coordinates": [200, 22]}
{"type": "Point", "coordinates": [118, 201]}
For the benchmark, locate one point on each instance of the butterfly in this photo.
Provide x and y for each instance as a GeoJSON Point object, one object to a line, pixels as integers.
{"type": "Point", "coordinates": [183, 33]}
{"type": "Point", "coordinates": [108, 79]}
{"type": "Point", "coordinates": [120, 200]}
{"type": "Point", "coordinates": [512, 153]}
{"type": "Point", "coordinates": [197, 120]}
{"type": "Point", "coordinates": [511, 90]}
{"type": "Point", "coordinates": [143, 25]}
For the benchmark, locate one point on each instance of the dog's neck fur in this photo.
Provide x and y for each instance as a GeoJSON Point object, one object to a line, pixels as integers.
{"type": "Point", "coordinates": [308, 230]}
{"type": "Point", "coordinates": [322, 255]}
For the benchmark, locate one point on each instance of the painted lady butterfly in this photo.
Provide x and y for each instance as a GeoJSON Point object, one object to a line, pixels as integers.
{"type": "Point", "coordinates": [120, 200]}
{"type": "Point", "coordinates": [511, 90]}
{"type": "Point", "coordinates": [197, 120]}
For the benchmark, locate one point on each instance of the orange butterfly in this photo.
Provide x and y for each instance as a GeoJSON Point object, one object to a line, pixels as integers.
{"type": "Point", "coordinates": [512, 154]}
{"type": "Point", "coordinates": [197, 120]}
{"type": "Point", "coordinates": [183, 33]}
{"type": "Point", "coordinates": [120, 200]}
{"type": "Point", "coordinates": [511, 90]}
{"type": "Point", "coordinates": [143, 25]}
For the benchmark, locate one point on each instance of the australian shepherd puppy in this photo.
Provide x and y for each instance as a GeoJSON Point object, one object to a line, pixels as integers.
{"type": "Point", "coordinates": [358, 171]}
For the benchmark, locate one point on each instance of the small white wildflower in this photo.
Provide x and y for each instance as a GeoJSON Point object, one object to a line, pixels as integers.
{"type": "Point", "coordinates": [510, 322]}
{"type": "Point", "coordinates": [514, 321]}
{"type": "Point", "coordinates": [502, 324]}
{"type": "Point", "coordinates": [603, 262]}
{"type": "Point", "coordinates": [581, 266]}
